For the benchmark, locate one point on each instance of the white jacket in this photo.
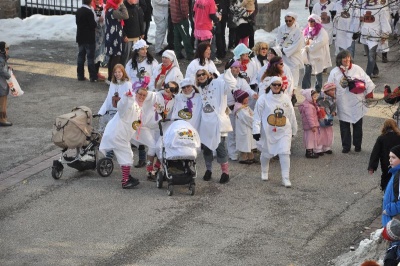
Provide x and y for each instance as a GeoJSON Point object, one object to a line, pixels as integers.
{"type": "Point", "coordinates": [121, 88]}
{"type": "Point", "coordinates": [371, 32]}
{"type": "Point", "coordinates": [345, 27]}
{"type": "Point", "coordinates": [132, 73]}
{"type": "Point", "coordinates": [194, 66]}
{"type": "Point", "coordinates": [318, 52]}
{"type": "Point", "coordinates": [291, 40]}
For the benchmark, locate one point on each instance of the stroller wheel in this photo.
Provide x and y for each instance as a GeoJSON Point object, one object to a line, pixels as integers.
{"type": "Point", "coordinates": [105, 167]}
{"type": "Point", "coordinates": [170, 190]}
{"type": "Point", "coordinates": [192, 189]}
{"type": "Point", "coordinates": [57, 170]}
{"type": "Point", "coordinates": [160, 179]}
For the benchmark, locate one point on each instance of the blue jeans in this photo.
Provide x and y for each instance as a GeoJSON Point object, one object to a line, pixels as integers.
{"type": "Point", "coordinates": [86, 51]}
{"type": "Point", "coordinates": [306, 83]}
{"type": "Point", "coordinates": [351, 49]}
{"type": "Point", "coordinates": [372, 67]}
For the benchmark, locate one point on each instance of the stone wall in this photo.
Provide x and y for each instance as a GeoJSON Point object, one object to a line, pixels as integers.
{"type": "Point", "coordinates": [269, 14]}
{"type": "Point", "coordinates": [9, 9]}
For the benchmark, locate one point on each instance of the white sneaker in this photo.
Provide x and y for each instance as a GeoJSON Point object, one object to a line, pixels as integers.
{"type": "Point", "coordinates": [264, 176]}
{"type": "Point", "coordinates": [217, 61]}
{"type": "Point", "coordinates": [286, 182]}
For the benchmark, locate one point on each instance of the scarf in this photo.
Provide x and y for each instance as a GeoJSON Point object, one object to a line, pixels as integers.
{"type": "Point", "coordinates": [261, 59]}
{"type": "Point", "coordinates": [189, 103]}
{"type": "Point", "coordinates": [111, 4]}
{"type": "Point", "coordinates": [243, 65]}
{"type": "Point", "coordinates": [164, 70]}
{"type": "Point", "coordinates": [310, 33]}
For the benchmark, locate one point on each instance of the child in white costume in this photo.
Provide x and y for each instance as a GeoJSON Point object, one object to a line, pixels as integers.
{"type": "Point", "coordinates": [119, 85]}
{"type": "Point", "coordinates": [274, 125]}
{"type": "Point", "coordinates": [119, 132]}
{"type": "Point", "coordinates": [244, 123]}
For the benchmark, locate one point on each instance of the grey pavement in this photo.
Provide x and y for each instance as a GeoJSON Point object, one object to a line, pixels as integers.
{"type": "Point", "coordinates": [85, 219]}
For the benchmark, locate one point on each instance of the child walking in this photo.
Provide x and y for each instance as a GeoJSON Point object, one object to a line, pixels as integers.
{"type": "Point", "coordinates": [308, 110]}
{"type": "Point", "coordinates": [243, 129]}
{"type": "Point", "coordinates": [327, 110]}
{"type": "Point", "coordinates": [120, 130]}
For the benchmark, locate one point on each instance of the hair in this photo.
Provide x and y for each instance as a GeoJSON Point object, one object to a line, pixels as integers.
{"type": "Point", "coordinates": [341, 55]}
{"type": "Point", "coordinates": [203, 70]}
{"type": "Point", "coordinates": [201, 48]}
{"type": "Point", "coordinates": [370, 263]}
{"type": "Point", "coordinates": [86, 2]}
{"type": "Point", "coordinates": [124, 75]}
{"type": "Point", "coordinates": [390, 125]}
{"type": "Point", "coordinates": [272, 50]}
{"type": "Point", "coordinates": [257, 47]}
{"type": "Point", "coordinates": [173, 82]}
{"type": "Point", "coordinates": [135, 56]}
{"type": "Point", "coordinates": [272, 69]}
{"type": "Point", "coordinates": [267, 89]}
{"type": "Point", "coordinates": [196, 90]}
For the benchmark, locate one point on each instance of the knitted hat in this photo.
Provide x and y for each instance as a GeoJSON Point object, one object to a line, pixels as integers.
{"type": "Point", "coordinates": [291, 14]}
{"type": "Point", "coordinates": [169, 54]}
{"type": "Point", "coordinates": [328, 86]}
{"type": "Point", "coordinates": [139, 44]}
{"type": "Point", "coordinates": [391, 231]}
{"type": "Point", "coordinates": [239, 50]}
{"type": "Point", "coordinates": [186, 82]}
{"type": "Point", "coordinates": [396, 150]}
{"type": "Point", "coordinates": [270, 80]}
{"type": "Point", "coordinates": [240, 95]}
{"type": "Point", "coordinates": [235, 64]}
{"type": "Point", "coordinates": [315, 17]}
{"type": "Point", "coordinates": [3, 47]}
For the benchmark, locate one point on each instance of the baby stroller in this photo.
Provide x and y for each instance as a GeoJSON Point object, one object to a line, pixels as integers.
{"type": "Point", "coordinates": [74, 131]}
{"type": "Point", "coordinates": [177, 151]}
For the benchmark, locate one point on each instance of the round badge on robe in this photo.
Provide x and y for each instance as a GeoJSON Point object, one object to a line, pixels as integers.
{"type": "Point", "coordinates": [208, 108]}
{"type": "Point", "coordinates": [185, 114]}
{"type": "Point", "coordinates": [136, 124]}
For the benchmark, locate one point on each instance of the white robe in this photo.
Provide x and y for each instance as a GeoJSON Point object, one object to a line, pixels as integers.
{"type": "Point", "coordinates": [174, 74]}
{"type": "Point", "coordinates": [274, 139]}
{"type": "Point", "coordinates": [345, 27]}
{"type": "Point", "coordinates": [180, 110]}
{"type": "Point", "coordinates": [262, 86]}
{"type": "Point", "coordinates": [318, 52]}
{"type": "Point", "coordinates": [328, 24]}
{"type": "Point", "coordinates": [194, 66]}
{"type": "Point", "coordinates": [119, 130]}
{"type": "Point", "coordinates": [132, 73]}
{"type": "Point", "coordinates": [350, 106]}
{"type": "Point", "coordinates": [121, 88]}
{"type": "Point", "coordinates": [243, 129]}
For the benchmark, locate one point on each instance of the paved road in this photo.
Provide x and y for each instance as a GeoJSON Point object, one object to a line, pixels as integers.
{"type": "Point", "coordinates": [84, 219]}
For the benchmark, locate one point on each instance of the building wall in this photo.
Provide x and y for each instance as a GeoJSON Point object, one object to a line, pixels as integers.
{"type": "Point", "coordinates": [9, 9]}
{"type": "Point", "coordinates": [269, 14]}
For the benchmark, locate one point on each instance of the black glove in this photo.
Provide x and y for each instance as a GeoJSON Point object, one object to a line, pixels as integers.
{"type": "Point", "coordinates": [355, 36]}
{"type": "Point", "coordinates": [333, 14]}
{"type": "Point", "coordinates": [256, 137]}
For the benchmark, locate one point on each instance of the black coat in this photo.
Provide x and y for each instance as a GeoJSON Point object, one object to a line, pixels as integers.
{"type": "Point", "coordinates": [134, 26]}
{"type": "Point", "coordinates": [85, 26]}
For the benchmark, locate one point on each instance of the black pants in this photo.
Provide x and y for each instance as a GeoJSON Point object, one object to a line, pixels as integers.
{"type": "Point", "coordinates": [345, 134]}
{"type": "Point", "coordinates": [220, 39]}
{"type": "Point", "coordinates": [170, 33]}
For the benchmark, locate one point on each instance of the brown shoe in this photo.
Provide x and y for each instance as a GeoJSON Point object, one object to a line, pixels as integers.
{"type": "Point", "coordinates": [5, 124]}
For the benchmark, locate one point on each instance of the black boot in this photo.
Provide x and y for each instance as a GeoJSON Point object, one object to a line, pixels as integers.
{"type": "Point", "coordinates": [384, 58]}
{"type": "Point", "coordinates": [310, 154]}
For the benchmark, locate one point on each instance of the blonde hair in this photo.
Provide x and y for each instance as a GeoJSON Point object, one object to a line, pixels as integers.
{"type": "Point", "coordinates": [389, 125]}
{"type": "Point", "coordinates": [124, 75]}
{"type": "Point", "coordinates": [257, 47]}
{"type": "Point", "coordinates": [202, 70]}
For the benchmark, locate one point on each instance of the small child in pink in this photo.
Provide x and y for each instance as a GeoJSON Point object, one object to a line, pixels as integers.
{"type": "Point", "coordinates": [309, 117]}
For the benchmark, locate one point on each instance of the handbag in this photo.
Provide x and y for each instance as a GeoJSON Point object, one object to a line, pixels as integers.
{"type": "Point", "coordinates": [15, 88]}
{"type": "Point", "coordinates": [356, 86]}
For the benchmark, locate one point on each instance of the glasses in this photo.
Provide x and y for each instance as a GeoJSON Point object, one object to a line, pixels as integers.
{"type": "Point", "coordinates": [201, 74]}
{"type": "Point", "coordinates": [264, 48]}
{"type": "Point", "coordinates": [311, 20]}
{"type": "Point", "coordinates": [172, 89]}
{"type": "Point", "coordinates": [281, 64]}
{"type": "Point", "coordinates": [288, 21]}
{"type": "Point", "coordinates": [276, 85]}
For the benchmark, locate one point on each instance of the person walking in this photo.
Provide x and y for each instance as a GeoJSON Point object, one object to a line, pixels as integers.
{"type": "Point", "coordinates": [100, 50]}
{"type": "Point", "coordinates": [4, 85]}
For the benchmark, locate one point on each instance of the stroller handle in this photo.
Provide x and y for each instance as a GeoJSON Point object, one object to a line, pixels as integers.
{"type": "Point", "coordinates": [164, 121]}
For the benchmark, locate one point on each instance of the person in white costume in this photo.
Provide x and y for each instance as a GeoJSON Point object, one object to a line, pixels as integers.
{"type": "Point", "coordinates": [290, 40]}
{"type": "Point", "coordinates": [120, 130]}
{"type": "Point", "coordinates": [248, 69]}
{"type": "Point", "coordinates": [201, 61]}
{"type": "Point", "coordinates": [215, 123]}
{"type": "Point", "coordinates": [346, 25]}
{"type": "Point", "coordinates": [274, 124]}
{"type": "Point", "coordinates": [165, 72]}
{"type": "Point", "coordinates": [244, 125]}
{"type": "Point", "coordinates": [188, 104]}
{"type": "Point", "coordinates": [316, 52]}
{"type": "Point", "coordinates": [119, 85]}
{"type": "Point", "coordinates": [350, 106]}
{"type": "Point", "coordinates": [260, 57]}
{"type": "Point", "coordinates": [323, 9]}
{"type": "Point", "coordinates": [375, 30]}
{"type": "Point", "coordinates": [276, 68]}
{"type": "Point", "coordinates": [142, 62]}
{"type": "Point", "coordinates": [240, 83]}
{"type": "Point", "coordinates": [160, 15]}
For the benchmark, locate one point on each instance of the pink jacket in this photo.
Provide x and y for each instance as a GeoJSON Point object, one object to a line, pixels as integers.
{"type": "Point", "coordinates": [308, 111]}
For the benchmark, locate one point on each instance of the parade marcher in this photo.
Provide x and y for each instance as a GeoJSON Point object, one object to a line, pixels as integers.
{"type": "Point", "coordinates": [316, 53]}
{"type": "Point", "coordinates": [202, 60]}
{"type": "Point", "coordinates": [215, 123]}
{"type": "Point", "coordinates": [160, 15]}
{"type": "Point", "coordinates": [323, 9]}
{"type": "Point", "coordinates": [4, 85]}
{"type": "Point", "coordinates": [100, 49]}
{"type": "Point", "coordinates": [290, 39]}
{"type": "Point", "coordinates": [389, 137]}
{"type": "Point", "coordinates": [168, 70]}
{"type": "Point", "coordinates": [350, 106]}
{"type": "Point", "coordinates": [180, 21]}
{"type": "Point", "coordinates": [274, 125]}
{"type": "Point", "coordinates": [276, 67]}
{"type": "Point", "coordinates": [260, 58]}
{"type": "Point", "coordinates": [248, 69]}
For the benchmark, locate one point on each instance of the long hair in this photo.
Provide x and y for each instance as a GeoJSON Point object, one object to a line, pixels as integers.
{"type": "Point", "coordinates": [272, 69]}
{"type": "Point", "coordinates": [135, 56]}
{"type": "Point", "coordinates": [124, 75]}
{"type": "Point", "coordinates": [201, 48]}
{"type": "Point", "coordinates": [390, 125]}
{"type": "Point", "coordinates": [341, 55]}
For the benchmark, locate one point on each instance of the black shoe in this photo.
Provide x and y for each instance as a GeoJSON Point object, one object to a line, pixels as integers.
{"type": "Point", "coordinates": [140, 164]}
{"type": "Point", "coordinates": [207, 175]}
{"type": "Point", "coordinates": [357, 149]}
{"type": "Point", "coordinates": [311, 154]}
{"type": "Point", "coordinates": [151, 177]}
{"type": "Point", "coordinates": [329, 152]}
{"type": "Point", "coordinates": [5, 124]}
{"type": "Point", "coordinates": [131, 183]}
{"type": "Point", "coordinates": [93, 80]}
{"type": "Point", "coordinates": [320, 153]}
{"type": "Point", "coordinates": [82, 79]}
{"type": "Point", "coordinates": [224, 178]}
{"type": "Point", "coordinates": [345, 150]}
{"type": "Point", "coordinates": [148, 43]}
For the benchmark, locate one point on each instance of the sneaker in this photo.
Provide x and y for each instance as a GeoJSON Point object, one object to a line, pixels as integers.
{"type": "Point", "coordinates": [217, 61]}
{"type": "Point", "coordinates": [286, 183]}
{"type": "Point", "coordinates": [357, 149]}
{"type": "Point", "coordinates": [374, 76]}
{"type": "Point", "coordinates": [224, 178]}
{"type": "Point", "coordinates": [131, 183]}
{"type": "Point", "coordinates": [207, 175]}
{"type": "Point", "coordinates": [345, 150]}
{"type": "Point", "coordinates": [93, 80]}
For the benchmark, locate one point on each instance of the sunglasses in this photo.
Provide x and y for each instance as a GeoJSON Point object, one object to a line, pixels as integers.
{"type": "Point", "coordinates": [288, 21]}
{"type": "Point", "coordinates": [172, 89]}
{"type": "Point", "coordinates": [276, 85]}
{"type": "Point", "coordinates": [264, 48]}
{"type": "Point", "coordinates": [201, 74]}
{"type": "Point", "coordinates": [311, 20]}
{"type": "Point", "coordinates": [186, 87]}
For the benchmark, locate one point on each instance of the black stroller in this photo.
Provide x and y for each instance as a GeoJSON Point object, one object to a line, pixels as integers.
{"type": "Point", "coordinates": [177, 151]}
{"type": "Point", "coordinates": [74, 131]}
